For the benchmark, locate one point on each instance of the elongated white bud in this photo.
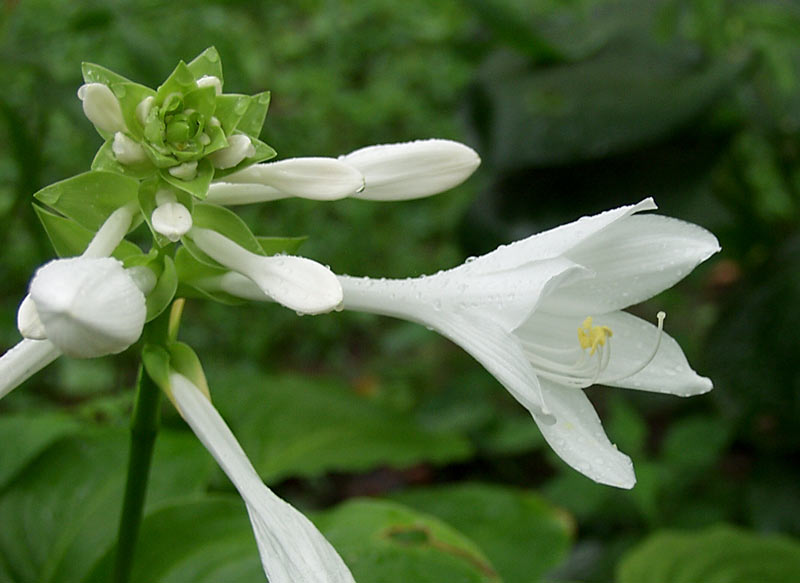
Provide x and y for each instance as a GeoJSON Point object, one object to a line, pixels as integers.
{"type": "Point", "coordinates": [295, 282]}
{"type": "Point", "coordinates": [89, 307]}
{"type": "Point", "coordinates": [412, 169]}
{"type": "Point", "coordinates": [171, 219]}
{"type": "Point", "coordinates": [312, 178]}
{"type": "Point", "coordinates": [239, 148]}
{"type": "Point", "coordinates": [101, 107]}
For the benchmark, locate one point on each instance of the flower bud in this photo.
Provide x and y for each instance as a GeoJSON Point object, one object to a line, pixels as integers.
{"type": "Point", "coordinates": [89, 307]}
{"type": "Point", "coordinates": [413, 169]}
{"type": "Point", "coordinates": [210, 81]}
{"type": "Point", "coordinates": [171, 219]}
{"type": "Point", "coordinates": [101, 107]}
{"type": "Point", "coordinates": [127, 151]}
{"type": "Point", "coordinates": [240, 148]}
{"type": "Point", "coordinates": [312, 178]}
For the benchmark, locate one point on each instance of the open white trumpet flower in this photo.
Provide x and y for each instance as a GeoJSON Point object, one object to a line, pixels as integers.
{"type": "Point", "coordinates": [542, 315]}
{"type": "Point", "coordinates": [292, 550]}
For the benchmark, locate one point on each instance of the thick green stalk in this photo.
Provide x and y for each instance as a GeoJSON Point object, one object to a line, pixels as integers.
{"type": "Point", "coordinates": [144, 429]}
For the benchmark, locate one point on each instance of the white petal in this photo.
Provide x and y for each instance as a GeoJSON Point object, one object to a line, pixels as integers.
{"type": "Point", "coordinates": [555, 242]}
{"type": "Point", "coordinates": [239, 148]}
{"type": "Point", "coordinates": [292, 549]}
{"type": "Point", "coordinates": [295, 282]}
{"type": "Point", "coordinates": [24, 360]}
{"type": "Point", "coordinates": [633, 259]}
{"type": "Point", "coordinates": [578, 438]}
{"type": "Point", "coordinates": [28, 322]}
{"type": "Point", "coordinates": [412, 169]}
{"type": "Point", "coordinates": [101, 107]}
{"type": "Point", "coordinates": [171, 219]}
{"type": "Point", "coordinates": [89, 307]}
{"type": "Point", "coordinates": [632, 344]}
{"type": "Point", "coordinates": [313, 178]}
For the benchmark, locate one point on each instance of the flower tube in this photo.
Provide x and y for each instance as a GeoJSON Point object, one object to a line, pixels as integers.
{"type": "Point", "coordinates": [292, 550]}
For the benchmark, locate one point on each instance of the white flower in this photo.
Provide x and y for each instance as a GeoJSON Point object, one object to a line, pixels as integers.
{"type": "Point", "coordinates": [387, 172]}
{"type": "Point", "coordinates": [522, 311]}
{"type": "Point", "coordinates": [295, 282]}
{"type": "Point", "coordinates": [101, 107]}
{"type": "Point", "coordinates": [413, 169]}
{"type": "Point", "coordinates": [171, 219]}
{"type": "Point", "coordinates": [292, 550]}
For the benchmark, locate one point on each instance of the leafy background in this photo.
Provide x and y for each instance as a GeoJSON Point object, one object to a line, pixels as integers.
{"type": "Point", "coordinates": [410, 457]}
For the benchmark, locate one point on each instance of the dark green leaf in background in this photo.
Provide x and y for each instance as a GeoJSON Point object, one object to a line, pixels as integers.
{"type": "Point", "coordinates": [523, 535]}
{"type": "Point", "coordinates": [720, 554]}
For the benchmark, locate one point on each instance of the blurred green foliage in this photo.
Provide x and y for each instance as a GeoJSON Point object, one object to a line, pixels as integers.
{"type": "Point", "coordinates": [574, 107]}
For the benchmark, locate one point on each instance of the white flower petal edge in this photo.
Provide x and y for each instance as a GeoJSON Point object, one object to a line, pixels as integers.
{"type": "Point", "coordinates": [295, 282]}
{"type": "Point", "coordinates": [412, 169]}
{"type": "Point", "coordinates": [312, 178]}
{"type": "Point", "coordinates": [22, 361]}
{"type": "Point", "coordinates": [518, 311]}
{"type": "Point", "coordinates": [292, 550]}
{"type": "Point", "coordinates": [578, 438]}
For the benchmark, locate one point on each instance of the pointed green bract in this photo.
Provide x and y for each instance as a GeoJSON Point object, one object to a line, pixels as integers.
{"type": "Point", "coordinates": [207, 63]}
{"type": "Point", "coordinates": [185, 361]}
{"type": "Point", "coordinates": [256, 113]}
{"type": "Point", "coordinates": [89, 198]}
{"type": "Point", "coordinates": [70, 239]}
{"type": "Point", "coordinates": [227, 223]}
{"type": "Point", "coordinates": [97, 74]}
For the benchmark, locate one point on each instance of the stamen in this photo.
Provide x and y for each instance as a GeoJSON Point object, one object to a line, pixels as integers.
{"type": "Point", "coordinates": [573, 366]}
{"type": "Point", "coordinates": [660, 316]}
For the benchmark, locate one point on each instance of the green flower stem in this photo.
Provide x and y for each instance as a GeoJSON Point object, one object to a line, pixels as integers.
{"type": "Point", "coordinates": [144, 429]}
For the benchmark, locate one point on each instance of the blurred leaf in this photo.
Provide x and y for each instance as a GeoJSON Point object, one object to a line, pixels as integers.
{"type": "Point", "coordinates": [721, 554]}
{"type": "Point", "coordinates": [626, 426]}
{"type": "Point", "coordinates": [590, 109]}
{"type": "Point", "coordinates": [60, 513]}
{"type": "Point", "coordinates": [696, 442]}
{"type": "Point", "coordinates": [31, 435]}
{"type": "Point", "coordinates": [389, 543]}
{"type": "Point", "coordinates": [305, 426]}
{"type": "Point", "coordinates": [202, 541]}
{"type": "Point", "coordinates": [523, 535]}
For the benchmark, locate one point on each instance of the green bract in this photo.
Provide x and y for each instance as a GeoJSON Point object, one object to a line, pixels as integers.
{"type": "Point", "coordinates": [184, 132]}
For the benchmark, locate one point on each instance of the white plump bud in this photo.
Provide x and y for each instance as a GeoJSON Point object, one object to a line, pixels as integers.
{"type": "Point", "coordinates": [127, 151]}
{"type": "Point", "coordinates": [171, 219]}
{"type": "Point", "coordinates": [186, 171]}
{"type": "Point", "coordinates": [239, 148]}
{"type": "Point", "coordinates": [89, 307]}
{"type": "Point", "coordinates": [413, 169]}
{"type": "Point", "coordinates": [101, 107]}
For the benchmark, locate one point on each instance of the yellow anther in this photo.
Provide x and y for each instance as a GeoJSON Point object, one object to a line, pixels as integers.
{"type": "Point", "coordinates": [593, 336]}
